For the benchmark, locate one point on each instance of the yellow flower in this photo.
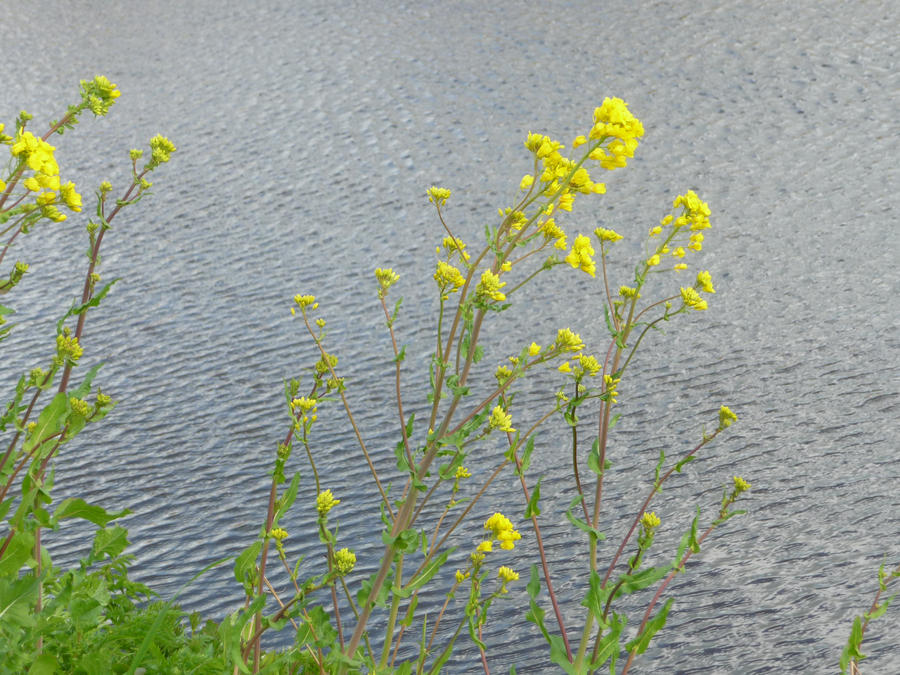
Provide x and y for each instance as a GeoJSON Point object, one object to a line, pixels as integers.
{"type": "Point", "coordinates": [650, 521]}
{"type": "Point", "coordinates": [589, 364]}
{"type": "Point", "coordinates": [567, 341]}
{"type": "Point", "coordinates": [462, 472]}
{"type": "Point", "coordinates": [304, 404]}
{"type": "Point", "coordinates": [507, 575]}
{"type": "Point", "coordinates": [704, 280]}
{"type": "Point", "coordinates": [564, 367]}
{"type": "Point", "coordinates": [500, 419]}
{"type": "Point", "coordinates": [485, 546]}
{"type": "Point", "coordinates": [344, 561]}
{"type": "Point", "coordinates": [551, 230]}
{"type": "Point", "coordinates": [325, 502]}
{"type": "Point", "coordinates": [628, 292]}
{"type": "Point", "coordinates": [461, 576]}
{"type": "Point", "coordinates": [678, 252]}
{"type": "Point", "coordinates": [692, 299]}
{"type": "Point", "coordinates": [278, 534]}
{"type": "Point", "coordinates": [579, 141]}
{"type": "Point", "coordinates": [448, 277]}
{"type": "Point", "coordinates": [534, 349]}
{"type": "Point", "coordinates": [386, 278]}
{"type": "Point", "coordinates": [490, 286]}
{"type": "Point", "coordinates": [740, 485]}
{"type": "Point", "coordinates": [438, 196]}
{"type": "Point", "coordinates": [566, 200]}
{"type": "Point", "coordinates": [70, 196]}
{"type": "Point", "coordinates": [653, 260]}
{"type": "Point", "coordinates": [79, 406]}
{"type": "Point", "coordinates": [502, 530]}
{"type": "Point", "coordinates": [580, 256]}
{"type": "Point", "coordinates": [526, 182]}
{"type": "Point", "coordinates": [306, 301]}
{"type": "Point", "coordinates": [726, 417]}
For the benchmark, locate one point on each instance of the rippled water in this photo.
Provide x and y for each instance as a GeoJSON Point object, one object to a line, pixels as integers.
{"type": "Point", "coordinates": [307, 134]}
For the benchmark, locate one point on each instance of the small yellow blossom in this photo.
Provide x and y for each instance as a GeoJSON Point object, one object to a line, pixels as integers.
{"type": "Point", "coordinates": [564, 367]}
{"type": "Point", "coordinates": [325, 502]}
{"type": "Point", "coordinates": [579, 141]}
{"type": "Point", "coordinates": [344, 561]}
{"type": "Point", "coordinates": [306, 301]}
{"type": "Point", "coordinates": [726, 417]}
{"type": "Point", "coordinates": [79, 406]}
{"type": "Point", "coordinates": [485, 546]}
{"type": "Point", "coordinates": [490, 286]}
{"type": "Point", "coordinates": [653, 260]}
{"type": "Point", "coordinates": [506, 266]}
{"type": "Point", "coordinates": [507, 575]}
{"type": "Point", "coordinates": [628, 292]}
{"type": "Point", "coordinates": [462, 472]}
{"type": "Point", "coordinates": [692, 299]}
{"type": "Point", "coordinates": [386, 278]}
{"type": "Point", "coordinates": [461, 576]}
{"type": "Point", "coordinates": [650, 521]}
{"type": "Point", "coordinates": [580, 256]}
{"type": "Point", "coordinates": [534, 349]}
{"type": "Point", "coordinates": [567, 341]}
{"type": "Point", "coordinates": [448, 277]}
{"type": "Point", "coordinates": [501, 420]}
{"type": "Point", "coordinates": [704, 280]}
{"type": "Point", "coordinates": [526, 182]}
{"type": "Point", "coordinates": [438, 196]}
{"type": "Point", "coordinates": [740, 485]}
{"type": "Point", "coordinates": [278, 534]}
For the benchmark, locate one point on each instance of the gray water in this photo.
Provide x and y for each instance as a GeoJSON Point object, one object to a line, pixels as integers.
{"type": "Point", "coordinates": [307, 134]}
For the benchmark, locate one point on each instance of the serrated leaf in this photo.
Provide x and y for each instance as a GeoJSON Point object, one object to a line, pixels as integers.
{"type": "Point", "coordinates": [75, 507]}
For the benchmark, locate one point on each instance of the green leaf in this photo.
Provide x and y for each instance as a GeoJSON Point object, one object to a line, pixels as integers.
{"type": "Point", "coordinates": [641, 580]}
{"type": "Point", "coordinates": [75, 507]}
{"type": "Point", "coordinates": [45, 664]}
{"type": "Point", "coordinates": [594, 458]}
{"type": "Point", "coordinates": [110, 541]}
{"type": "Point", "coordinates": [641, 642]}
{"type": "Point", "coordinates": [580, 524]}
{"type": "Point", "coordinates": [425, 575]}
{"type": "Point", "coordinates": [609, 647]}
{"type": "Point", "coordinates": [852, 650]}
{"type": "Point", "coordinates": [686, 460]}
{"type": "Point", "coordinates": [596, 597]}
{"type": "Point", "coordinates": [17, 554]}
{"type": "Point", "coordinates": [533, 509]}
{"type": "Point", "coordinates": [287, 499]}
{"type": "Point", "coordinates": [49, 422]}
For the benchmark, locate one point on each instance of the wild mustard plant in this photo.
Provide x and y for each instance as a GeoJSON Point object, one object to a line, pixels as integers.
{"type": "Point", "coordinates": [474, 287]}
{"type": "Point", "coordinates": [41, 606]}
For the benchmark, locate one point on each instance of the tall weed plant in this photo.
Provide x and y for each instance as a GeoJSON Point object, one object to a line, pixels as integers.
{"type": "Point", "coordinates": [92, 618]}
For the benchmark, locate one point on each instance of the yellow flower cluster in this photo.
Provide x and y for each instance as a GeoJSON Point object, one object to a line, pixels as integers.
{"type": "Point", "coordinates": [611, 384]}
{"type": "Point", "coordinates": [501, 420]}
{"type": "Point", "coordinates": [613, 119]}
{"type": "Point", "coordinates": [740, 485]}
{"type": "Point", "coordinates": [386, 278]}
{"type": "Point", "coordinates": [607, 235]}
{"type": "Point", "coordinates": [448, 278]}
{"type": "Point", "coordinates": [438, 196]}
{"type": "Point", "coordinates": [580, 255]}
{"type": "Point", "coordinates": [67, 348]}
{"type": "Point", "coordinates": [567, 341]}
{"type": "Point", "coordinates": [79, 406]}
{"type": "Point", "coordinates": [503, 531]}
{"type": "Point", "coordinates": [650, 521]}
{"type": "Point", "coordinates": [551, 230]}
{"type": "Point", "coordinates": [344, 561]}
{"type": "Point", "coordinates": [453, 246]}
{"type": "Point", "coordinates": [726, 417]}
{"type": "Point", "coordinates": [490, 286]}
{"type": "Point", "coordinates": [692, 299]}
{"type": "Point", "coordinates": [325, 502]}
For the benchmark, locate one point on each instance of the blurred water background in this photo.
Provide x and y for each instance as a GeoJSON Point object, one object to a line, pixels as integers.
{"type": "Point", "coordinates": [307, 133]}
